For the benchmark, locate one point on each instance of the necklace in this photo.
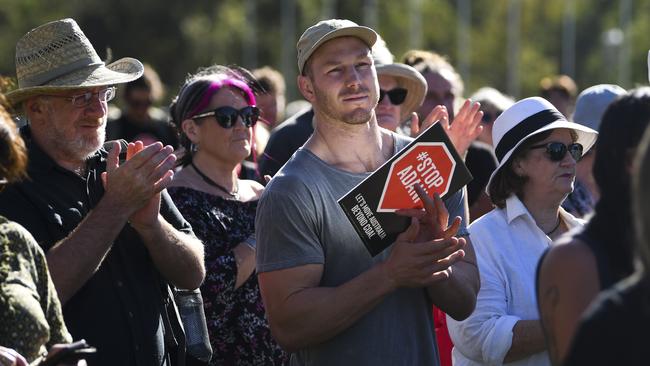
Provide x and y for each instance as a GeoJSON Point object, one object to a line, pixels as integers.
{"type": "Point", "coordinates": [234, 194]}
{"type": "Point", "coordinates": [555, 228]}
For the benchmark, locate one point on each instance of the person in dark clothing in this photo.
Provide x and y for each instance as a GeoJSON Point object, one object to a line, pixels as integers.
{"type": "Point", "coordinates": [111, 234]}
{"type": "Point", "coordinates": [140, 120]}
{"type": "Point", "coordinates": [285, 140]}
{"type": "Point", "coordinates": [593, 259]}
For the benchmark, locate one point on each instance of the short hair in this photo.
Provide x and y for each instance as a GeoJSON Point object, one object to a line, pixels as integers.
{"type": "Point", "coordinates": [271, 80]}
{"type": "Point", "coordinates": [427, 61]}
{"type": "Point", "coordinates": [560, 83]}
{"type": "Point", "coordinates": [506, 182]}
{"type": "Point", "coordinates": [149, 81]}
{"type": "Point", "coordinates": [13, 154]}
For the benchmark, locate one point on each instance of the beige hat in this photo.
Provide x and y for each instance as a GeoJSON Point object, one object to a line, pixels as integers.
{"type": "Point", "coordinates": [58, 56]}
{"type": "Point", "coordinates": [325, 30]}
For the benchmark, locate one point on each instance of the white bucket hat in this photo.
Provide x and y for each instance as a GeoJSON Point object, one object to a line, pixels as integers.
{"type": "Point", "coordinates": [58, 56]}
{"type": "Point", "coordinates": [529, 117]}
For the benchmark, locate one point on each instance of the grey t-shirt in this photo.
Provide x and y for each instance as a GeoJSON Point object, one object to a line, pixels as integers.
{"type": "Point", "coordinates": [300, 222]}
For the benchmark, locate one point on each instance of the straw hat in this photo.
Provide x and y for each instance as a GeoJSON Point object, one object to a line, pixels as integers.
{"type": "Point", "coordinates": [58, 56]}
{"type": "Point", "coordinates": [407, 77]}
{"type": "Point", "coordinates": [529, 117]}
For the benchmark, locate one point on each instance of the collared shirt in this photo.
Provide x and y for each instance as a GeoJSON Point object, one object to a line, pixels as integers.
{"type": "Point", "coordinates": [118, 310]}
{"type": "Point", "coordinates": [508, 245]}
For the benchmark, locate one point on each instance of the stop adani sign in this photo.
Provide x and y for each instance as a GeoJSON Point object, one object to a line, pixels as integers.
{"type": "Point", "coordinates": [429, 164]}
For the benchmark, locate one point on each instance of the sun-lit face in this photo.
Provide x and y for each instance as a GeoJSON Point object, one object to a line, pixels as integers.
{"type": "Point", "coordinates": [344, 80]}
{"type": "Point", "coordinates": [388, 114]}
{"type": "Point", "coordinates": [70, 131]}
{"type": "Point", "coordinates": [230, 145]}
{"type": "Point", "coordinates": [548, 178]}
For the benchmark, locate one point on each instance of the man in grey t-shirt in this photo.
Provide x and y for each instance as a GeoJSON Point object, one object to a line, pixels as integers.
{"type": "Point", "coordinates": [328, 301]}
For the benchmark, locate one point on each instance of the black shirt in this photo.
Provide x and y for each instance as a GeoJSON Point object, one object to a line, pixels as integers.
{"type": "Point", "coordinates": [614, 329]}
{"type": "Point", "coordinates": [118, 310]}
{"type": "Point", "coordinates": [284, 141]}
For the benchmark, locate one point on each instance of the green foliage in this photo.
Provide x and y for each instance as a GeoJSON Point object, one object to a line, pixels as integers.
{"type": "Point", "coordinates": [177, 37]}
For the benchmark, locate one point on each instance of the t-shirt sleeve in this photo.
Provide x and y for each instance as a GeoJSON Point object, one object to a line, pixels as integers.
{"type": "Point", "coordinates": [170, 212]}
{"type": "Point", "coordinates": [287, 230]}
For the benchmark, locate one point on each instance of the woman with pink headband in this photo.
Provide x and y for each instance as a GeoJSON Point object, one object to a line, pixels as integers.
{"type": "Point", "coordinates": [215, 113]}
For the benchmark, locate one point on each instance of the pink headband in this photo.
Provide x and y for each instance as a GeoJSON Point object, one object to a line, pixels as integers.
{"type": "Point", "coordinates": [218, 84]}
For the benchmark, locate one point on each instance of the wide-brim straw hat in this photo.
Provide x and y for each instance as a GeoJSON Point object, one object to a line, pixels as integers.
{"type": "Point", "coordinates": [57, 56]}
{"type": "Point", "coordinates": [411, 80]}
{"type": "Point", "coordinates": [529, 117]}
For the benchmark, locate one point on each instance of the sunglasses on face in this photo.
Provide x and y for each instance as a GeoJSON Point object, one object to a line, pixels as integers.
{"type": "Point", "coordinates": [227, 116]}
{"type": "Point", "coordinates": [396, 96]}
{"type": "Point", "coordinates": [557, 150]}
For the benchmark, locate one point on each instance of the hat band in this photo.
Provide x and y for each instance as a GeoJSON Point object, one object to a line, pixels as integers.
{"type": "Point", "coordinates": [525, 128]}
{"type": "Point", "coordinates": [45, 77]}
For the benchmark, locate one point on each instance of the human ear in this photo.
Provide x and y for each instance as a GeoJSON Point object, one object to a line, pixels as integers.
{"type": "Point", "coordinates": [191, 130]}
{"type": "Point", "coordinates": [306, 88]}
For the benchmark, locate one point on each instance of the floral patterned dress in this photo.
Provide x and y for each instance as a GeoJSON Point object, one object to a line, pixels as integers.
{"type": "Point", "coordinates": [30, 312]}
{"type": "Point", "coordinates": [238, 329]}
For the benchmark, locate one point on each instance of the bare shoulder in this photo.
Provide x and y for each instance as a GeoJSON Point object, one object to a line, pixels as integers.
{"type": "Point", "coordinates": [181, 179]}
{"type": "Point", "coordinates": [569, 261]}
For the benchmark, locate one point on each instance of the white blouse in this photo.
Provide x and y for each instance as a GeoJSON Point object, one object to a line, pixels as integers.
{"type": "Point", "coordinates": [508, 245]}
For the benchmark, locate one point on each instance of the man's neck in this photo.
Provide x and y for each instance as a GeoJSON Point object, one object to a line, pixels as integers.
{"type": "Point", "coordinates": [357, 148]}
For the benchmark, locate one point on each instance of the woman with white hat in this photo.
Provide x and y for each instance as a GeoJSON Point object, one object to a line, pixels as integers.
{"type": "Point", "coordinates": [537, 150]}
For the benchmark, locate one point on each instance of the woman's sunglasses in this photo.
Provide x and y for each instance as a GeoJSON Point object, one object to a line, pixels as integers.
{"type": "Point", "coordinates": [227, 116]}
{"type": "Point", "coordinates": [557, 150]}
{"type": "Point", "coordinates": [396, 96]}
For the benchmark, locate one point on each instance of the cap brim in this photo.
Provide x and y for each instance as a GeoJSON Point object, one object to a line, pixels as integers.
{"type": "Point", "coordinates": [412, 80]}
{"type": "Point", "coordinates": [367, 35]}
{"type": "Point", "coordinates": [121, 71]}
{"type": "Point", "coordinates": [586, 138]}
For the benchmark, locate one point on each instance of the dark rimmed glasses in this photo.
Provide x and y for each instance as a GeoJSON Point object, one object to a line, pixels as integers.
{"type": "Point", "coordinates": [556, 151]}
{"type": "Point", "coordinates": [396, 96]}
{"type": "Point", "coordinates": [85, 99]}
{"type": "Point", "coordinates": [227, 116]}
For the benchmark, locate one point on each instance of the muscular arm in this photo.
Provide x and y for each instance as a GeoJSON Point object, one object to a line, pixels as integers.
{"type": "Point", "coordinates": [301, 313]}
{"type": "Point", "coordinates": [567, 283]}
{"type": "Point", "coordinates": [527, 339]}
{"type": "Point", "coordinates": [456, 295]}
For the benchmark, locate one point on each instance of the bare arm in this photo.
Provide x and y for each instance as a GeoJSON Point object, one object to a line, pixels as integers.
{"type": "Point", "coordinates": [302, 314]}
{"type": "Point", "coordinates": [178, 256]}
{"type": "Point", "coordinates": [456, 295]}
{"type": "Point", "coordinates": [74, 259]}
{"type": "Point", "coordinates": [245, 259]}
{"type": "Point", "coordinates": [527, 339]}
{"type": "Point", "coordinates": [567, 283]}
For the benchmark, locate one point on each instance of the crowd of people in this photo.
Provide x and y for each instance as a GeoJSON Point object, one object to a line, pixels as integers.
{"type": "Point", "coordinates": [109, 216]}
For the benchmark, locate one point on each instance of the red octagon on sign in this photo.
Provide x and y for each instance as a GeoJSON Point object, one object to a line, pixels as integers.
{"type": "Point", "coordinates": [429, 164]}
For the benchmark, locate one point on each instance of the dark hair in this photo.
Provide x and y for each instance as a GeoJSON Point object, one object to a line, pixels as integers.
{"type": "Point", "coordinates": [622, 127]}
{"type": "Point", "coordinates": [506, 181]}
{"type": "Point", "coordinates": [149, 81]}
{"type": "Point", "coordinates": [270, 80]}
{"type": "Point", "coordinates": [560, 83]}
{"type": "Point", "coordinates": [192, 92]}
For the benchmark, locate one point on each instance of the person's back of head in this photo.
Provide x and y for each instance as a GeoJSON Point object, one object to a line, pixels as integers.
{"type": "Point", "coordinates": [560, 90]}
{"type": "Point", "coordinates": [592, 103]}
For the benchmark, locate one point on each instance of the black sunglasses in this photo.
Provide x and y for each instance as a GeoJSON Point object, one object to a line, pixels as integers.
{"type": "Point", "coordinates": [557, 150]}
{"type": "Point", "coordinates": [396, 96]}
{"type": "Point", "coordinates": [227, 116]}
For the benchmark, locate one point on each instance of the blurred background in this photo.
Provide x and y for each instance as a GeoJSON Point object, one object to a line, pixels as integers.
{"type": "Point", "coordinates": [507, 44]}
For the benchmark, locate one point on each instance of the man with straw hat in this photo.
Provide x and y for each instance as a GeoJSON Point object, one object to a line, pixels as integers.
{"type": "Point", "coordinates": [111, 234]}
{"type": "Point", "coordinates": [327, 299]}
